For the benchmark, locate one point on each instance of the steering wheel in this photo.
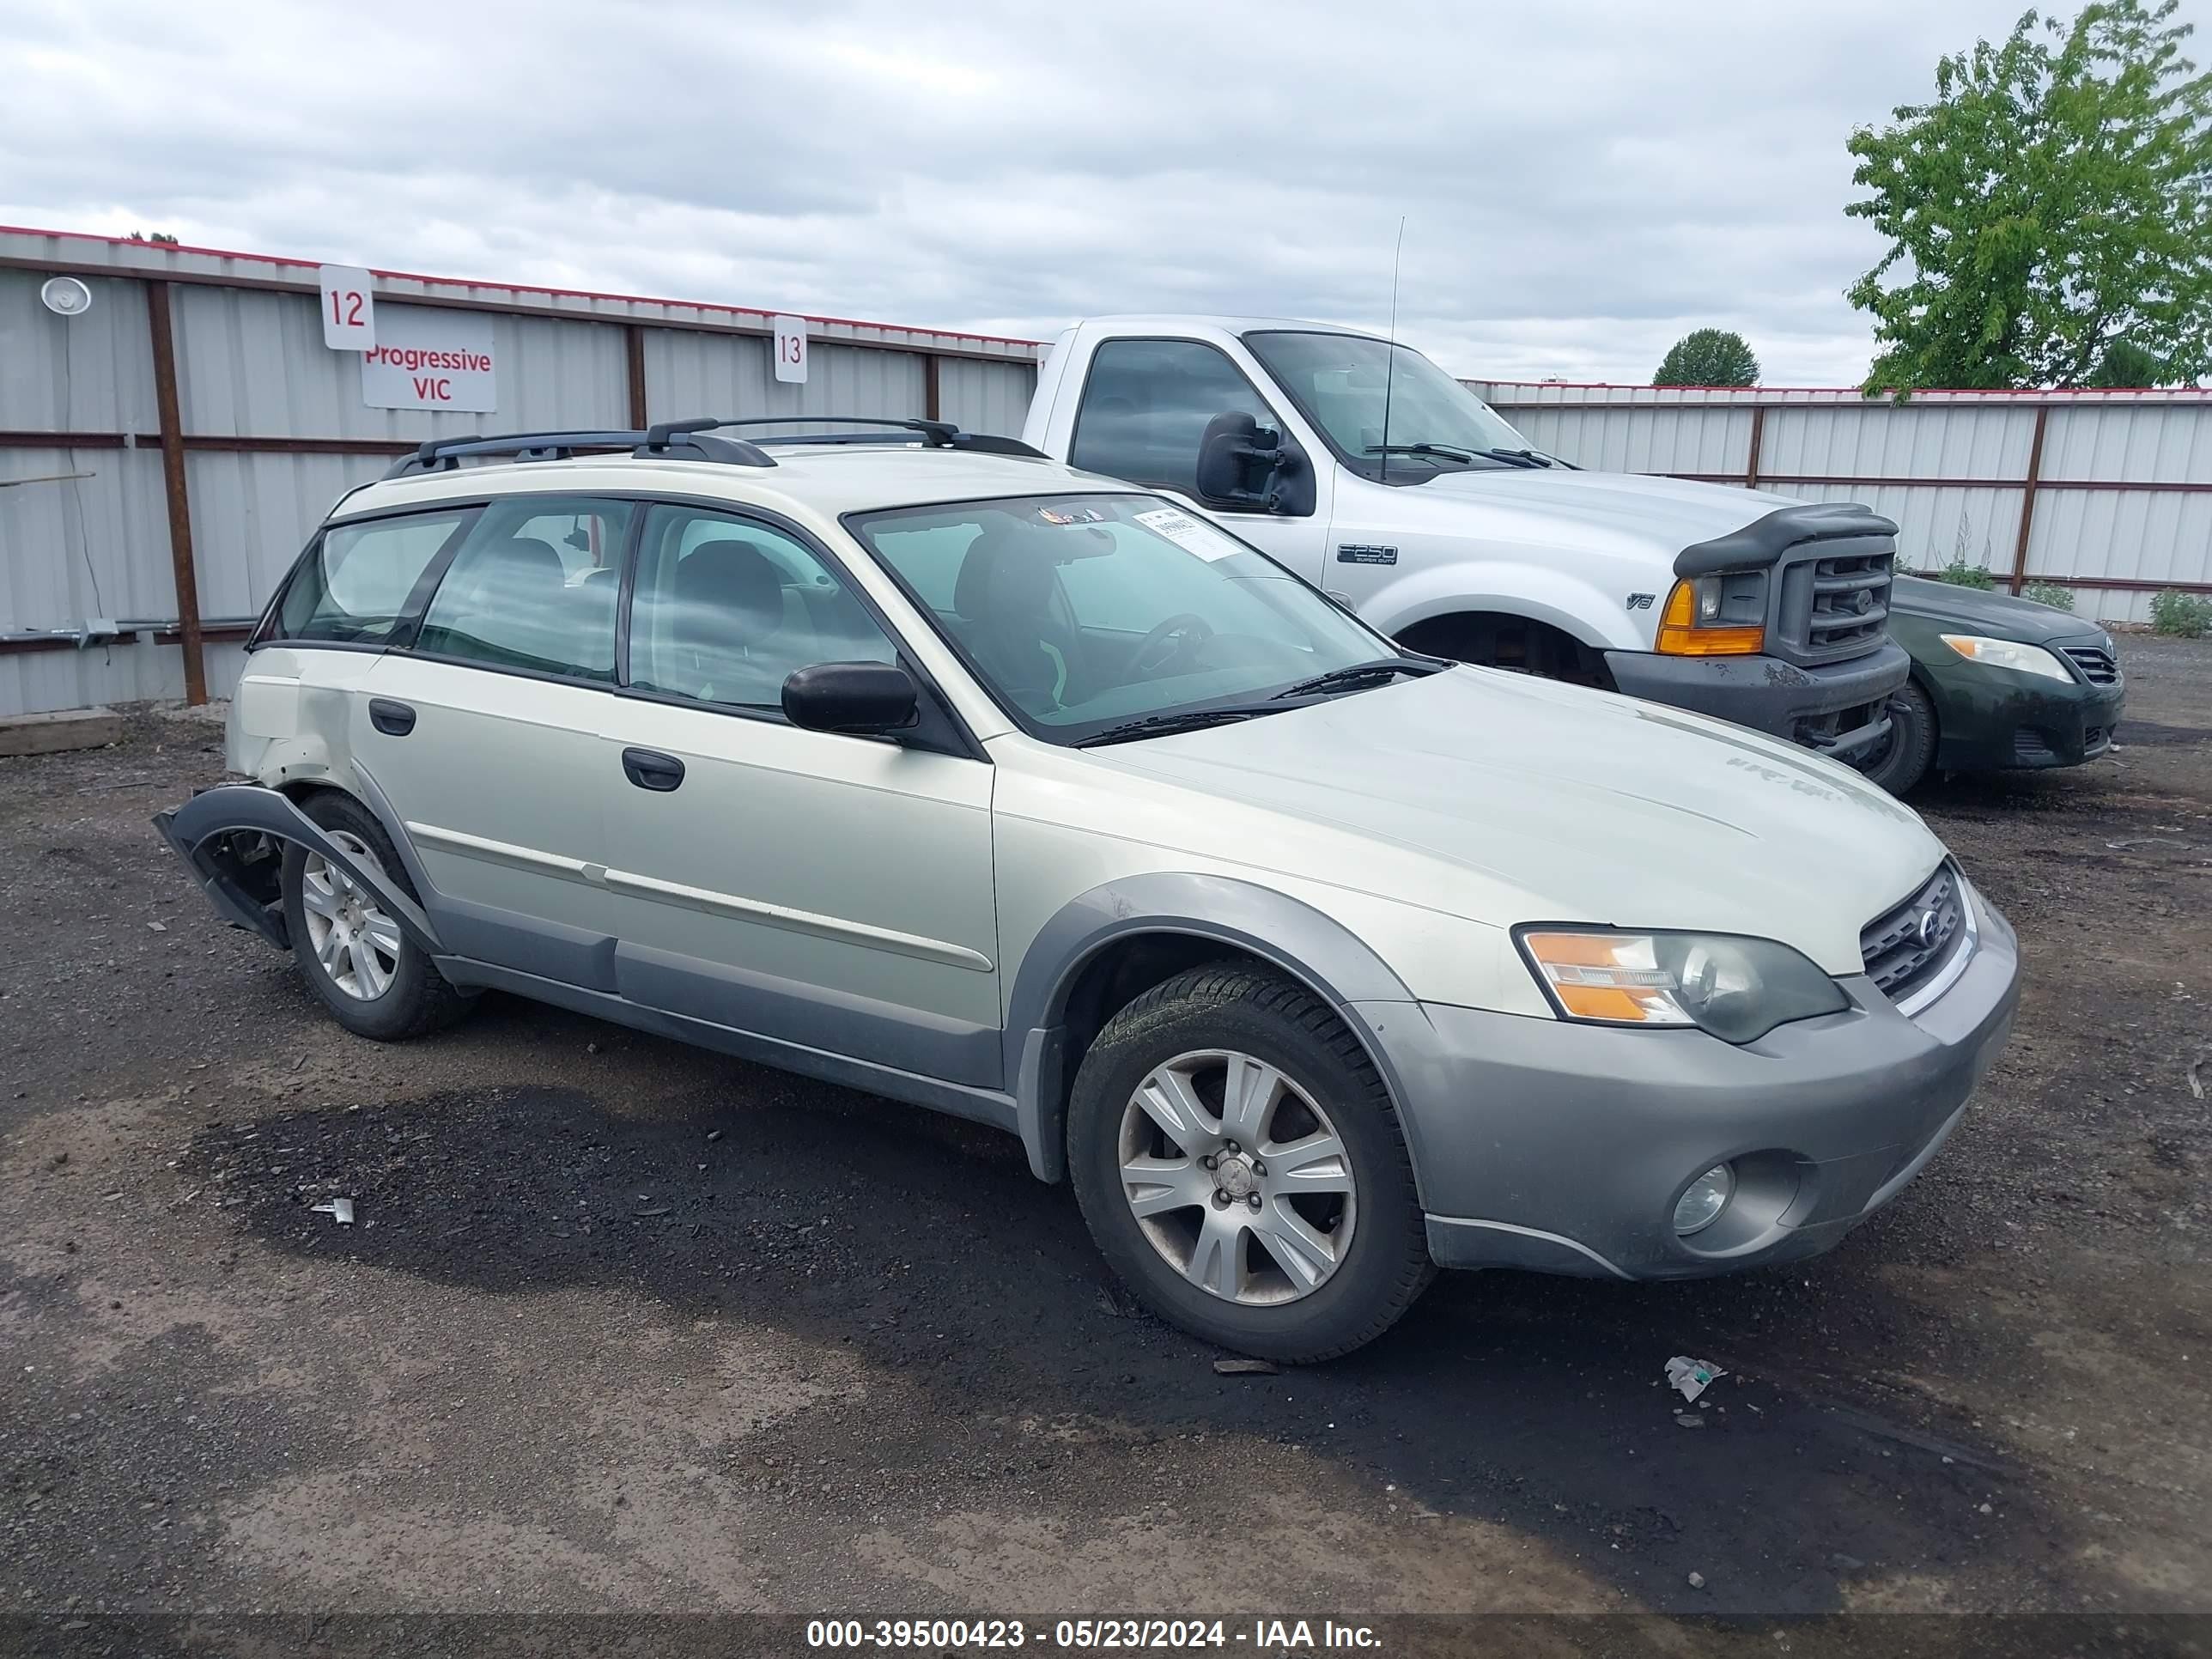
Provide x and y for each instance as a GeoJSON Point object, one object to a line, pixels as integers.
{"type": "Point", "coordinates": [1170, 640]}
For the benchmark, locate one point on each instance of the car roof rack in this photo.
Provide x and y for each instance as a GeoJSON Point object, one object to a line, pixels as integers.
{"type": "Point", "coordinates": [681, 441]}
{"type": "Point", "coordinates": [932, 434]}
{"type": "Point", "coordinates": [697, 440]}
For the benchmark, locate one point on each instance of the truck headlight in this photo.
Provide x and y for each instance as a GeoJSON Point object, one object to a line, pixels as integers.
{"type": "Point", "coordinates": [1735, 987]}
{"type": "Point", "coordinates": [2007, 653]}
{"type": "Point", "coordinates": [1723, 615]}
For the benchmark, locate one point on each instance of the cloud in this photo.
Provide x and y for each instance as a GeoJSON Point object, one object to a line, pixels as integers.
{"type": "Point", "coordinates": [1580, 183]}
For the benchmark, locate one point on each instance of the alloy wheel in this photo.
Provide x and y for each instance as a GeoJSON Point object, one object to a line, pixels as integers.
{"type": "Point", "coordinates": [1237, 1178]}
{"type": "Point", "coordinates": [356, 944]}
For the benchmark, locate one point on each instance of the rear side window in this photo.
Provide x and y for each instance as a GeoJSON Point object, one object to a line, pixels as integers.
{"type": "Point", "coordinates": [354, 585]}
{"type": "Point", "coordinates": [535, 587]}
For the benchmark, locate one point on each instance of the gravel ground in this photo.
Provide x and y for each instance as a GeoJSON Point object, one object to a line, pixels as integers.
{"type": "Point", "coordinates": [627, 1327]}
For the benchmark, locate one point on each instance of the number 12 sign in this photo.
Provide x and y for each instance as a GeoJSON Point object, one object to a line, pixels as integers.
{"type": "Point", "coordinates": [791, 348]}
{"type": "Point", "coordinates": [349, 308]}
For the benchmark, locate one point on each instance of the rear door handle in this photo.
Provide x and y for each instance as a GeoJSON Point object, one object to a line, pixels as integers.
{"type": "Point", "coordinates": [394, 720]}
{"type": "Point", "coordinates": [648, 768]}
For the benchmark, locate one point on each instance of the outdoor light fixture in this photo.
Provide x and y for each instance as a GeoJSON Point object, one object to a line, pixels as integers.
{"type": "Point", "coordinates": [65, 296]}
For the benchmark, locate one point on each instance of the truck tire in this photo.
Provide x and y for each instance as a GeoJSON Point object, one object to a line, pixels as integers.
{"type": "Point", "coordinates": [374, 981]}
{"type": "Point", "coordinates": [1903, 757]}
{"type": "Point", "coordinates": [1239, 1164]}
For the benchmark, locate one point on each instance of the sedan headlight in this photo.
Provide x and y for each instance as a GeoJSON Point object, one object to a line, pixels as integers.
{"type": "Point", "coordinates": [2009, 653]}
{"type": "Point", "coordinates": [1737, 989]}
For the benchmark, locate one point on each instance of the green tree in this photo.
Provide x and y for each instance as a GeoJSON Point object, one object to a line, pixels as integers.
{"type": "Point", "coordinates": [1708, 356]}
{"type": "Point", "coordinates": [2126, 363]}
{"type": "Point", "coordinates": [2056, 197]}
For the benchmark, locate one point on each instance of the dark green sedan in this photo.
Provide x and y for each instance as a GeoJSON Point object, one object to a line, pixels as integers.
{"type": "Point", "coordinates": [1997, 683]}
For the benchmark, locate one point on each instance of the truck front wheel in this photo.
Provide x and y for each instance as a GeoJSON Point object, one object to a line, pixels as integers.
{"type": "Point", "coordinates": [1521, 644]}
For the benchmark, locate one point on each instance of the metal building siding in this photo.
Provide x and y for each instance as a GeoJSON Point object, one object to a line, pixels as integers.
{"type": "Point", "coordinates": [252, 513]}
{"type": "Point", "coordinates": [74, 548]}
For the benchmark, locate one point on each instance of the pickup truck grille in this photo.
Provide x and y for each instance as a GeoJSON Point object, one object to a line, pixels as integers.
{"type": "Point", "coordinates": [1836, 606]}
{"type": "Point", "coordinates": [1905, 948]}
{"type": "Point", "coordinates": [2097, 665]}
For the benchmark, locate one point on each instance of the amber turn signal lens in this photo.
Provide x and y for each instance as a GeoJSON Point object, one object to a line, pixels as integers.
{"type": "Point", "coordinates": [1680, 635]}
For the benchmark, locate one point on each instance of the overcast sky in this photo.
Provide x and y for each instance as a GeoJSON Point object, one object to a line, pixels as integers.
{"type": "Point", "coordinates": [1582, 182]}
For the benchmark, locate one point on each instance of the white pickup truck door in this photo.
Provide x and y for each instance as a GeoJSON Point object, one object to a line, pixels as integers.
{"type": "Point", "coordinates": [1142, 408]}
{"type": "Point", "coordinates": [833, 892]}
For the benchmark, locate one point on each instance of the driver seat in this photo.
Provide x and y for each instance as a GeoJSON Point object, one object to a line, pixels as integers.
{"type": "Point", "coordinates": [1003, 597]}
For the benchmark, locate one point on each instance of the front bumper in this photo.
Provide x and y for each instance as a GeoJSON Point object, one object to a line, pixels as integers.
{"type": "Point", "coordinates": [1562, 1147]}
{"type": "Point", "coordinates": [1839, 709]}
{"type": "Point", "coordinates": [1991, 720]}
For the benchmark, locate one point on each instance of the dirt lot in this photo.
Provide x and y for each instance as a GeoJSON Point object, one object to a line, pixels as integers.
{"type": "Point", "coordinates": [625, 1327]}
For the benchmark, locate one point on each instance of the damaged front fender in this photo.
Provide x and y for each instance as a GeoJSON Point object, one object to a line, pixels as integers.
{"type": "Point", "coordinates": [216, 833]}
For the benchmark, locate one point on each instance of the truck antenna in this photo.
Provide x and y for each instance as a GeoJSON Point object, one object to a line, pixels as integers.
{"type": "Point", "coordinates": [1390, 362]}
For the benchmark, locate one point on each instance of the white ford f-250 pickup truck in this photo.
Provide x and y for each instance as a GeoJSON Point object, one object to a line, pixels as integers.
{"type": "Point", "coordinates": [1444, 529]}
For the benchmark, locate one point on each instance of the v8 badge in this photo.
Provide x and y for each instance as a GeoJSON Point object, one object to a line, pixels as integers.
{"type": "Point", "coordinates": [1640, 601]}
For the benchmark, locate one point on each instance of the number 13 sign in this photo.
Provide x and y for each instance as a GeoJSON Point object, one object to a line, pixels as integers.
{"type": "Point", "coordinates": [791, 349]}
{"type": "Point", "coordinates": [349, 308]}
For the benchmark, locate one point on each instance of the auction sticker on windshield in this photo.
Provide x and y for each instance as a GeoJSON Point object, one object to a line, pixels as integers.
{"type": "Point", "coordinates": [1188, 533]}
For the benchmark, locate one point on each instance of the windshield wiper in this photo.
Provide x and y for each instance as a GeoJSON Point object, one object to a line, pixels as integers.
{"type": "Point", "coordinates": [1445, 451]}
{"type": "Point", "coordinates": [1188, 719]}
{"type": "Point", "coordinates": [1354, 673]}
{"type": "Point", "coordinates": [1517, 457]}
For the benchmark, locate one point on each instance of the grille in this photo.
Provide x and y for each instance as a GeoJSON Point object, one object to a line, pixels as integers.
{"type": "Point", "coordinates": [1837, 606]}
{"type": "Point", "coordinates": [1910, 945]}
{"type": "Point", "coordinates": [2097, 665]}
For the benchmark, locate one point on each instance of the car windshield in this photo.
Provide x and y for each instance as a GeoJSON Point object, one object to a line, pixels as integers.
{"type": "Point", "coordinates": [1085, 613]}
{"type": "Point", "coordinates": [1340, 381]}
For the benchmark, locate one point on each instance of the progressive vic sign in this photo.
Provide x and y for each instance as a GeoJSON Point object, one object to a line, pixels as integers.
{"type": "Point", "coordinates": [425, 359]}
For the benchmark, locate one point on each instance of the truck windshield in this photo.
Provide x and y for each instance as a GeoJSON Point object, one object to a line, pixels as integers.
{"type": "Point", "coordinates": [1339, 381]}
{"type": "Point", "coordinates": [1084, 614]}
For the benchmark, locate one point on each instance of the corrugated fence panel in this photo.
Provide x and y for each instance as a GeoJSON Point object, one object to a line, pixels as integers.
{"type": "Point", "coordinates": [1974, 448]}
{"type": "Point", "coordinates": [981, 396]}
{"type": "Point", "coordinates": [252, 513]}
{"type": "Point", "coordinates": [732, 376]}
{"type": "Point", "coordinates": [92, 373]}
{"type": "Point", "coordinates": [252, 364]}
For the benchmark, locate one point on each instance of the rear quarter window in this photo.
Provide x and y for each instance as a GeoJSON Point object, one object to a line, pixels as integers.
{"type": "Point", "coordinates": [354, 585]}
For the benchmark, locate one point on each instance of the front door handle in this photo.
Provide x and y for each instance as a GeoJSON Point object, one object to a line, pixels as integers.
{"type": "Point", "coordinates": [394, 720]}
{"type": "Point", "coordinates": [648, 768]}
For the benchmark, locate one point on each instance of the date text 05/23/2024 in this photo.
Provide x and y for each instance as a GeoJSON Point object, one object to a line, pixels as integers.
{"type": "Point", "coordinates": [1261, 1636]}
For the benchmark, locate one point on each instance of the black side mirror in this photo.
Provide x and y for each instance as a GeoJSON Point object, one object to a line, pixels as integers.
{"type": "Point", "coordinates": [1241, 464]}
{"type": "Point", "coordinates": [861, 698]}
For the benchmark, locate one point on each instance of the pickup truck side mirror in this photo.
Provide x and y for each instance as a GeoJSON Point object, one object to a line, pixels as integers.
{"type": "Point", "coordinates": [1240, 464]}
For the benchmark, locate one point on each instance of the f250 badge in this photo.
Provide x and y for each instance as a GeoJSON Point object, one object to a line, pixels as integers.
{"type": "Point", "coordinates": [1639, 601]}
{"type": "Point", "coordinates": [1364, 553]}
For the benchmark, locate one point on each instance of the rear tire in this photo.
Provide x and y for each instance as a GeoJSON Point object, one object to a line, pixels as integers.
{"type": "Point", "coordinates": [384, 985]}
{"type": "Point", "coordinates": [1905, 754]}
{"type": "Point", "coordinates": [1332, 1248]}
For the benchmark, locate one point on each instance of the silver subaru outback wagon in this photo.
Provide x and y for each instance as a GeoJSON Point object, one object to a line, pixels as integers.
{"type": "Point", "coordinates": [919, 762]}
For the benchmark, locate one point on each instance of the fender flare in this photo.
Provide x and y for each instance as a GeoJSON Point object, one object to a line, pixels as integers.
{"type": "Point", "coordinates": [197, 831]}
{"type": "Point", "coordinates": [1318, 951]}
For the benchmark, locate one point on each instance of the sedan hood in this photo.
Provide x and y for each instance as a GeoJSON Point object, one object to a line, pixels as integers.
{"type": "Point", "coordinates": [1534, 801]}
{"type": "Point", "coordinates": [1977, 611]}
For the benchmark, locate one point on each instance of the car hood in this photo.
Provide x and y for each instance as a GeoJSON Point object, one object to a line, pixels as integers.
{"type": "Point", "coordinates": [1536, 801]}
{"type": "Point", "coordinates": [1977, 611]}
{"type": "Point", "coordinates": [1621, 509]}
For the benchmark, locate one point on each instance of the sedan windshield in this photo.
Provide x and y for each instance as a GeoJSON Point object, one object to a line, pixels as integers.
{"type": "Point", "coordinates": [1085, 615]}
{"type": "Point", "coordinates": [1341, 382]}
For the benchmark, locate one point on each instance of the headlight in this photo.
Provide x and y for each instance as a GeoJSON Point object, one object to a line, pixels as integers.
{"type": "Point", "coordinates": [1736, 988]}
{"type": "Point", "coordinates": [1721, 616]}
{"type": "Point", "coordinates": [2009, 653]}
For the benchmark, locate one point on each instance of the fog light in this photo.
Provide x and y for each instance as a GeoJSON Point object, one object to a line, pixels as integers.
{"type": "Point", "coordinates": [1701, 1204]}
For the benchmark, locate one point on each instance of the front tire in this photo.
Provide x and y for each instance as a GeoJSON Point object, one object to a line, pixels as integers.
{"type": "Point", "coordinates": [1904, 757]}
{"type": "Point", "coordinates": [1239, 1164]}
{"type": "Point", "coordinates": [375, 982]}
